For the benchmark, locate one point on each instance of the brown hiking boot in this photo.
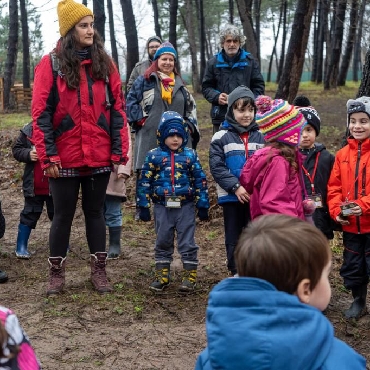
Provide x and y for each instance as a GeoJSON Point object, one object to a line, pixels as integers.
{"type": "Point", "coordinates": [98, 273]}
{"type": "Point", "coordinates": [57, 275]}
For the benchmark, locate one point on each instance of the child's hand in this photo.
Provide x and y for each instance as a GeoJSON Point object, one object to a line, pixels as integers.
{"type": "Point", "coordinates": [242, 195]}
{"type": "Point", "coordinates": [342, 220]}
{"type": "Point", "coordinates": [356, 211]}
{"type": "Point", "coordinates": [33, 155]}
{"type": "Point", "coordinates": [222, 99]}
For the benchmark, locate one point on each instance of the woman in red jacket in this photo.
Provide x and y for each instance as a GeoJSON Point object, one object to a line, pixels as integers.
{"type": "Point", "coordinates": [80, 130]}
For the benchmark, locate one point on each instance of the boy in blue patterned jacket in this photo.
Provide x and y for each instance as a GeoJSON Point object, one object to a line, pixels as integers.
{"type": "Point", "coordinates": [173, 178]}
{"type": "Point", "coordinates": [237, 139]}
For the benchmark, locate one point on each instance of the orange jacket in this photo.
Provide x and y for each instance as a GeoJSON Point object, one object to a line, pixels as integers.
{"type": "Point", "coordinates": [350, 180]}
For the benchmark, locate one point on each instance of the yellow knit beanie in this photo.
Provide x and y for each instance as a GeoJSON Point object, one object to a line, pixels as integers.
{"type": "Point", "coordinates": [69, 14]}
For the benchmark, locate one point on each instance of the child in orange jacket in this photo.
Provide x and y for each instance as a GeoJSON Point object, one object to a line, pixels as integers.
{"type": "Point", "coordinates": [349, 203]}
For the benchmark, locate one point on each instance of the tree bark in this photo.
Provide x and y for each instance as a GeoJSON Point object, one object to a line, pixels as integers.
{"type": "Point", "coordinates": [321, 38]}
{"type": "Point", "coordinates": [289, 83]}
{"type": "Point", "coordinates": [131, 36]}
{"type": "Point", "coordinates": [25, 45]}
{"type": "Point", "coordinates": [112, 34]}
{"type": "Point", "coordinates": [99, 17]}
{"type": "Point", "coordinates": [157, 26]}
{"type": "Point", "coordinates": [172, 36]}
{"type": "Point", "coordinates": [202, 36]}
{"type": "Point", "coordinates": [231, 11]}
{"type": "Point", "coordinates": [357, 51]}
{"type": "Point", "coordinates": [364, 89]}
{"type": "Point", "coordinates": [346, 59]}
{"type": "Point", "coordinates": [283, 42]}
{"type": "Point", "coordinates": [245, 13]}
{"type": "Point", "coordinates": [273, 53]}
{"type": "Point", "coordinates": [11, 56]}
{"type": "Point", "coordinates": [336, 46]}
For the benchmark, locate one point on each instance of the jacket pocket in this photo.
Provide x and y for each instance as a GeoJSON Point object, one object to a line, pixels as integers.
{"type": "Point", "coordinates": [102, 123]}
{"type": "Point", "coordinates": [65, 125]}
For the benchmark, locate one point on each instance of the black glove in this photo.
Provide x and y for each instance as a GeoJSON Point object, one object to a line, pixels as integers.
{"type": "Point", "coordinates": [144, 214]}
{"type": "Point", "coordinates": [203, 214]}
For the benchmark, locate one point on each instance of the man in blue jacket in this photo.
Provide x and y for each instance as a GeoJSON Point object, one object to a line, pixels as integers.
{"type": "Point", "coordinates": [228, 69]}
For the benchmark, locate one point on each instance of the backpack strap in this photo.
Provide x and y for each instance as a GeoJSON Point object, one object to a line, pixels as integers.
{"type": "Point", "coordinates": [56, 70]}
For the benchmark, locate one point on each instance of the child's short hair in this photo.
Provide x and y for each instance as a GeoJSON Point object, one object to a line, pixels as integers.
{"type": "Point", "coordinates": [282, 250]}
{"type": "Point", "coordinates": [244, 102]}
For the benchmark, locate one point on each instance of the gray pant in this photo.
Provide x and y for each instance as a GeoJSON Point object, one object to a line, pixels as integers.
{"type": "Point", "coordinates": [166, 221]}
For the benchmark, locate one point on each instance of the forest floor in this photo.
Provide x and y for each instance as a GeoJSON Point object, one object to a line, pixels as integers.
{"type": "Point", "coordinates": [133, 328]}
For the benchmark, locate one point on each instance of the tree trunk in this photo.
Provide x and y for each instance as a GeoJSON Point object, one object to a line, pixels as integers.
{"type": "Point", "coordinates": [283, 42]}
{"type": "Point", "coordinates": [99, 17]}
{"type": "Point", "coordinates": [157, 26]}
{"type": "Point", "coordinates": [11, 56]}
{"type": "Point", "coordinates": [322, 35]}
{"type": "Point", "coordinates": [231, 11]}
{"type": "Point", "coordinates": [276, 36]}
{"type": "Point", "coordinates": [189, 25]}
{"type": "Point", "coordinates": [245, 13]}
{"type": "Point", "coordinates": [349, 45]}
{"type": "Point", "coordinates": [202, 36]}
{"type": "Point", "coordinates": [336, 46]}
{"type": "Point", "coordinates": [131, 36]}
{"type": "Point", "coordinates": [257, 33]}
{"type": "Point", "coordinates": [357, 51]}
{"type": "Point", "coordinates": [364, 89]}
{"type": "Point", "coordinates": [315, 43]}
{"type": "Point", "coordinates": [172, 35]}
{"type": "Point", "coordinates": [289, 83]}
{"type": "Point", "coordinates": [25, 45]}
{"type": "Point", "coordinates": [112, 34]}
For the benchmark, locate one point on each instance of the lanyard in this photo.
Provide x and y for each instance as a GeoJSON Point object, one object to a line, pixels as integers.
{"type": "Point", "coordinates": [312, 178]}
{"type": "Point", "coordinates": [173, 171]}
{"type": "Point", "coordinates": [245, 138]}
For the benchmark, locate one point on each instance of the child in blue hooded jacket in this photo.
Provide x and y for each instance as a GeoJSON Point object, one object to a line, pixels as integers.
{"type": "Point", "coordinates": [231, 147]}
{"type": "Point", "coordinates": [173, 178]}
{"type": "Point", "coordinates": [270, 317]}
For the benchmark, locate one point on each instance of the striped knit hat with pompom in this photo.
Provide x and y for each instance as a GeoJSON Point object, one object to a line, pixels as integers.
{"type": "Point", "coordinates": [279, 121]}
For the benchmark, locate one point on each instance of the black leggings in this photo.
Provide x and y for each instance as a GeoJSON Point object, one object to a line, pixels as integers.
{"type": "Point", "coordinates": [64, 191]}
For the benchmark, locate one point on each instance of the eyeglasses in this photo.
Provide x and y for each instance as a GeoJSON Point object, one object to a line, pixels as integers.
{"type": "Point", "coordinates": [154, 47]}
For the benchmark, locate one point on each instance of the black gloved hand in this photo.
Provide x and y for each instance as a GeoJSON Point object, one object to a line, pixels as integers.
{"type": "Point", "coordinates": [144, 214]}
{"type": "Point", "coordinates": [203, 214]}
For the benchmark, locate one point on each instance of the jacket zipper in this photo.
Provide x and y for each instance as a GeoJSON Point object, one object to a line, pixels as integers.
{"type": "Point", "coordinates": [356, 184]}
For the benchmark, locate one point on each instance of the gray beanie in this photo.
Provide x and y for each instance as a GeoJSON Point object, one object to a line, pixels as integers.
{"type": "Point", "coordinates": [359, 105]}
{"type": "Point", "coordinates": [239, 93]}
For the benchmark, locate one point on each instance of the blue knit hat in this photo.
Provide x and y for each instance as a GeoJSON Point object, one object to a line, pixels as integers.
{"type": "Point", "coordinates": [165, 48]}
{"type": "Point", "coordinates": [172, 123]}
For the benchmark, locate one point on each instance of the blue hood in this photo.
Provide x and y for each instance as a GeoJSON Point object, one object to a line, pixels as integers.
{"type": "Point", "coordinates": [251, 325]}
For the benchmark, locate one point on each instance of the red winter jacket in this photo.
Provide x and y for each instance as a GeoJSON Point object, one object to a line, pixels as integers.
{"type": "Point", "coordinates": [350, 178]}
{"type": "Point", "coordinates": [274, 188]}
{"type": "Point", "coordinates": [73, 127]}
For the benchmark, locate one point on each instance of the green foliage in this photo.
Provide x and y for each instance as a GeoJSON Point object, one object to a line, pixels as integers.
{"type": "Point", "coordinates": [35, 38]}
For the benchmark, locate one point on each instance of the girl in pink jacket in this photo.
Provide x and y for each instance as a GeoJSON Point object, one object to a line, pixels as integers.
{"type": "Point", "coordinates": [272, 175]}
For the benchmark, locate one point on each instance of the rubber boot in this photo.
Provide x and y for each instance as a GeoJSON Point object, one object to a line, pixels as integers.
{"type": "Point", "coordinates": [358, 306]}
{"type": "Point", "coordinates": [57, 275]}
{"type": "Point", "coordinates": [99, 278]}
{"type": "Point", "coordinates": [114, 250]}
{"type": "Point", "coordinates": [21, 250]}
{"type": "Point", "coordinates": [189, 278]}
{"type": "Point", "coordinates": [162, 277]}
{"type": "Point", "coordinates": [3, 277]}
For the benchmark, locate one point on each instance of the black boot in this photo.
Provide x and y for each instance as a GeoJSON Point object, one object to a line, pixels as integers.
{"type": "Point", "coordinates": [189, 277]}
{"type": "Point", "coordinates": [358, 306]}
{"type": "Point", "coordinates": [114, 242]}
{"type": "Point", "coordinates": [162, 277]}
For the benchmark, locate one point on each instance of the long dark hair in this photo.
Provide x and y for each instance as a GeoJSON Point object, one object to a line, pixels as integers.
{"type": "Point", "coordinates": [69, 63]}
